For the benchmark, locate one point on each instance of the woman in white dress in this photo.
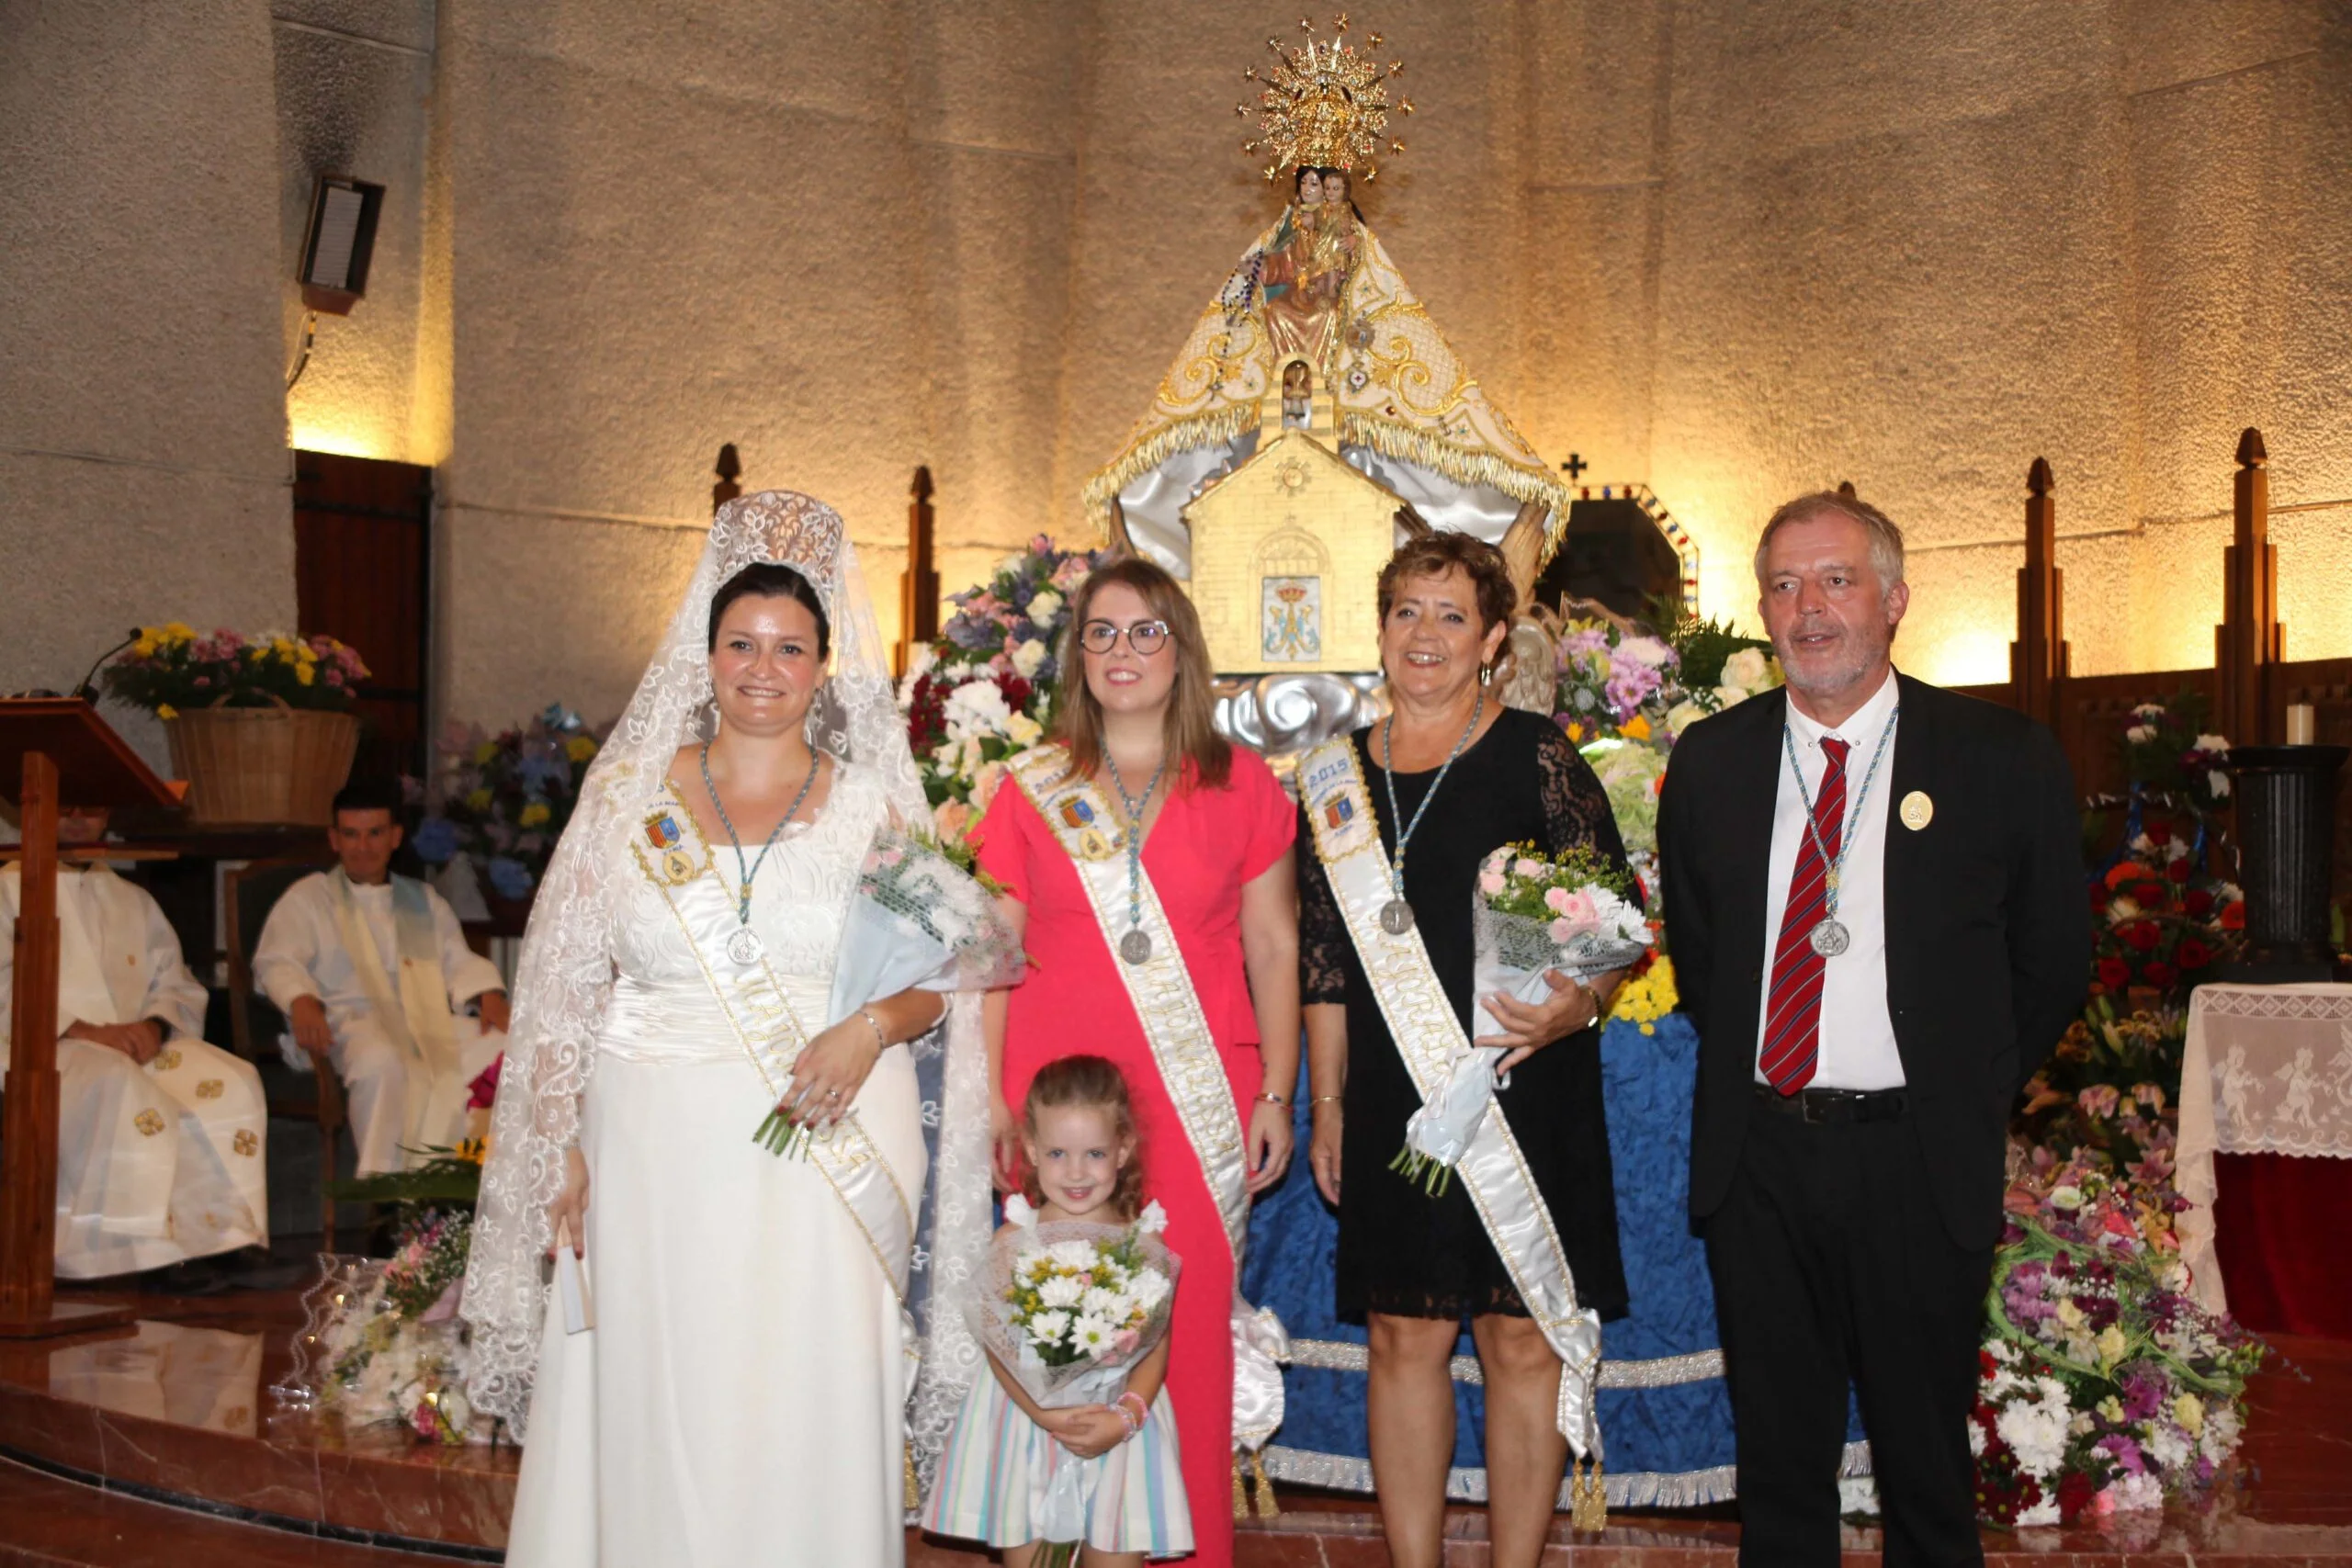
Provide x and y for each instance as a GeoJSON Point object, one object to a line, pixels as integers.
{"type": "Point", "coordinates": [742, 1396]}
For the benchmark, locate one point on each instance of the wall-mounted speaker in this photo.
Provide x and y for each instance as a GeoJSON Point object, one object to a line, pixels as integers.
{"type": "Point", "coordinates": [341, 238]}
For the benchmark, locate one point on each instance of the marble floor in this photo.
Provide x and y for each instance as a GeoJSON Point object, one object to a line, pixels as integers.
{"type": "Point", "coordinates": [107, 1441]}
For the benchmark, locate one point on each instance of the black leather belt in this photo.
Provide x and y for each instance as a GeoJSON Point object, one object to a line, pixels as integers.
{"type": "Point", "coordinates": [1822, 1105]}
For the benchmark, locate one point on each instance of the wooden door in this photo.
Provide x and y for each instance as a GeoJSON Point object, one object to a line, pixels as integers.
{"type": "Point", "coordinates": [362, 559]}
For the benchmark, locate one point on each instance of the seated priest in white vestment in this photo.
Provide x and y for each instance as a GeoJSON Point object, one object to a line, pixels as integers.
{"type": "Point", "coordinates": [158, 1135]}
{"type": "Point", "coordinates": [372, 971]}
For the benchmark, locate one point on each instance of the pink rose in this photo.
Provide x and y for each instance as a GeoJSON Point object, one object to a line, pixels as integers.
{"type": "Point", "coordinates": [1528, 868]}
{"type": "Point", "coordinates": [1575, 909]}
{"type": "Point", "coordinates": [1490, 882]}
{"type": "Point", "coordinates": [1562, 931]}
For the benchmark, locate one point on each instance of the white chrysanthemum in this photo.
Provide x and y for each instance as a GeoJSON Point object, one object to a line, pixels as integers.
{"type": "Point", "coordinates": [2042, 1512]}
{"type": "Point", "coordinates": [1110, 1305]}
{"type": "Point", "coordinates": [1091, 1335]}
{"type": "Point", "coordinates": [2166, 1444]}
{"type": "Point", "coordinates": [975, 708]}
{"type": "Point", "coordinates": [1048, 1327]}
{"type": "Point", "coordinates": [1976, 1440]}
{"type": "Point", "coordinates": [2035, 1429]}
{"type": "Point", "coordinates": [1153, 1220]}
{"type": "Point", "coordinates": [1062, 1291]}
{"type": "Point", "coordinates": [1150, 1288]}
{"type": "Point", "coordinates": [2137, 1493]}
{"type": "Point", "coordinates": [1079, 1255]}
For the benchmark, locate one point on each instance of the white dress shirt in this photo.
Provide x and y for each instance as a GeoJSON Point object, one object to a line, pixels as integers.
{"type": "Point", "coordinates": [1857, 1043]}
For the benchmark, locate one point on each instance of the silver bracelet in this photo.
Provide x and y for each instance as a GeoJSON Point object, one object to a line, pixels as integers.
{"type": "Point", "coordinates": [881, 1035]}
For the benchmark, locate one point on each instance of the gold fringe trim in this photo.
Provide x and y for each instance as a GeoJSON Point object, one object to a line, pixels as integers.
{"type": "Point", "coordinates": [1462, 465]}
{"type": "Point", "coordinates": [1146, 453]}
{"type": "Point", "coordinates": [914, 1488]}
{"type": "Point", "coordinates": [1587, 1498]}
{"type": "Point", "coordinates": [1241, 1491]}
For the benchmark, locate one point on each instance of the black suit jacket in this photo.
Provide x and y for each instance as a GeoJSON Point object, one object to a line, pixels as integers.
{"type": "Point", "coordinates": [1988, 936]}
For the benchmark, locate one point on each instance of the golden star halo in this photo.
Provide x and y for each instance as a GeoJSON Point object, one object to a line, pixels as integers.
{"type": "Point", "coordinates": [1323, 105]}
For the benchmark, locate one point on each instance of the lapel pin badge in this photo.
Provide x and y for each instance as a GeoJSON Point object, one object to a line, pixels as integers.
{"type": "Point", "coordinates": [1918, 810]}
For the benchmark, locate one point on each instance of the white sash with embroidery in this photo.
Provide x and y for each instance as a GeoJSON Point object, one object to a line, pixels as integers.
{"type": "Point", "coordinates": [1430, 1037]}
{"type": "Point", "coordinates": [1161, 988]}
{"type": "Point", "coordinates": [675, 861]}
{"type": "Point", "coordinates": [417, 1017]}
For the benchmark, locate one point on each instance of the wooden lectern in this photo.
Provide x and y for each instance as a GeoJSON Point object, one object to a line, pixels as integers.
{"type": "Point", "coordinates": [64, 751]}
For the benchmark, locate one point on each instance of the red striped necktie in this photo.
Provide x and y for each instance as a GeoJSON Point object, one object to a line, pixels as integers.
{"type": "Point", "coordinates": [1792, 1013]}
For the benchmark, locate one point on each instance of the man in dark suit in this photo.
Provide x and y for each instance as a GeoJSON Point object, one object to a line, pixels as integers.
{"type": "Point", "coordinates": [1874, 900]}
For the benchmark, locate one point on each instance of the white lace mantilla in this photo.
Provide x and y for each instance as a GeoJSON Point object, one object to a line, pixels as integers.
{"type": "Point", "coordinates": [2267, 1069]}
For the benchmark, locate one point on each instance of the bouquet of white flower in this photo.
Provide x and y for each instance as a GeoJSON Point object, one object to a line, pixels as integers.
{"type": "Point", "coordinates": [1075, 1306]}
{"type": "Point", "coordinates": [1533, 912]}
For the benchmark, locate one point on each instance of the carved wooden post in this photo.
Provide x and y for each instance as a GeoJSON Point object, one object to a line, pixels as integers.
{"type": "Point", "coordinates": [29, 1205]}
{"type": "Point", "coordinates": [2247, 642]}
{"type": "Point", "coordinates": [729, 469]}
{"type": "Point", "coordinates": [919, 584]}
{"type": "Point", "coordinates": [2038, 658]}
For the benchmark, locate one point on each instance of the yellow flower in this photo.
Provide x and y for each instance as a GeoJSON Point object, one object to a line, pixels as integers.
{"type": "Point", "coordinates": [2189, 1411]}
{"type": "Point", "coordinates": [1575, 732]}
{"type": "Point", "coordinates": [1647, 998]}
{"type": "Point", "coordinates": [579, 748]}
{"type": "Point", "coordinates": [2110, 1345]}
{"type": "Point", "coordinates": [145, 647]}
{"type": "Point", "coordinates": [165, 710]}
{"type": "Point", "coordinates": [484, 752]}
{"type": "Point", "coordinates": [478, 800]}
{"type": "Point", "coordinates": [1635, 728]}
{"type": "Point", "coordinates": [534, 813]}
{"type": "Point", "coordinates": [305, 673]}
{"type": "Point", "coordinates": [179, 631]}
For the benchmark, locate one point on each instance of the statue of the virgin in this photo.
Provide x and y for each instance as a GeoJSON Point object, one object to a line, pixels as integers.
{"type": "Point", "coordinates": [1318, 290]}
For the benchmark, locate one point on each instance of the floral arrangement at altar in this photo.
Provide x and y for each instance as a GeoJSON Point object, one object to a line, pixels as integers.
{"type": "Point", "coordinates": [2168, 753]}
{"type": "Point", "coordinates": [505, 798]}
{"type": "Point", "coordinates": [2162, 920]}
{"type": "Point", "coordinates": [170, 668]}
{"type": "Point", "coordinates": [983, 690]}
{"type": "Point", "coordinates": [2104, 1387]}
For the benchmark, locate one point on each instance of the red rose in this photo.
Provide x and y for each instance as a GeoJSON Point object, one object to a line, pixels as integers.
{"type": "Point", "coordinates": [2197, 902]}
{"type": "Point", "coordinates": [2149, 894]}
{"type": "Point", "coordinates": [2114, 974]}
{"type": "Point", "coordinates": [2234, 918]}
{"type": "Point", "coordinates": [2159, 974]}
{"type": "Point", "coordinates": [2140, 934]}
{"type": "Point", "coordinates": [2180, 871]}
{"type": "Point", "coordinates": [2192, 954]}
{"type": "Point", "coordinates": [2159, 835]}
{"type": "Point", "coordinates": [2075, 1494]}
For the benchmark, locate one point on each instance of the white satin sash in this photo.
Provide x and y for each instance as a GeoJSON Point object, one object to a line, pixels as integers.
{"type": "Point", "coordinates": [1430, 1038]}
{"type": "Point", "coordinates": [417, 1018]}
{"type": "Point", "coordinates": [671, 852]}
{"type": "Point", "coordinates": [1177, 1028]}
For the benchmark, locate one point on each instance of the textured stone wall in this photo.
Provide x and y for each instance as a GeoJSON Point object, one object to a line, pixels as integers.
{"type": "Point", "coordinates": [143, 474]}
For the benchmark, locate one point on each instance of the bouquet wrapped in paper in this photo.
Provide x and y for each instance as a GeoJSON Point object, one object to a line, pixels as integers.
{"type": "Point", "coordinates": [1533, 912]}
{"type": "Point", "coordinates": [1073, 1307]}
{"type": "Point", "coordinates": [923, 917]}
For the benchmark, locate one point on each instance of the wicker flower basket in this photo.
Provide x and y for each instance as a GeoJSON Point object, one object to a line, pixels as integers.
{"type": "Point", "coordinates": [262, 765]}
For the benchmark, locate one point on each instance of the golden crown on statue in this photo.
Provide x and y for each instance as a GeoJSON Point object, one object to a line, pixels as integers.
{"type": "Point", "coordinates": [1324, 106]}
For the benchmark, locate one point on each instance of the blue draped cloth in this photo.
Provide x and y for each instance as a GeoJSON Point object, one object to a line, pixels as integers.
{"type": "Point", "coordinates": [1665, 1414]}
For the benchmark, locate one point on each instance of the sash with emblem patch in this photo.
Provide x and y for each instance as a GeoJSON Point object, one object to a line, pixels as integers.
{"type": "Point", "coordinates": [1430, 1036]}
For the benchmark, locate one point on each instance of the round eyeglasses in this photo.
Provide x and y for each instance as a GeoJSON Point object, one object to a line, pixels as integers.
{"type": "Point", "coordinates": [1147, 637]}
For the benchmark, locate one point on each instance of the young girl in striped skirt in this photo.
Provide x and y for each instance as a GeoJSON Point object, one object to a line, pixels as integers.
{"type": "Point", "coordinates": [1041, 1479]}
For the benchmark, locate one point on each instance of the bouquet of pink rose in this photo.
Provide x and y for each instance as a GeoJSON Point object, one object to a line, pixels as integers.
{"type": "Point", "coordinates": [1535, 912]}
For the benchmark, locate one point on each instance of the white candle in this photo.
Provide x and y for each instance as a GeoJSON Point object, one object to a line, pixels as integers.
{"type": "Point", "coordinates": [2302, 724]}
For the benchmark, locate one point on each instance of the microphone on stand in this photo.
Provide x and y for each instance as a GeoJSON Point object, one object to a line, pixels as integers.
{"type": "Point", "coordinates": [88, 689]}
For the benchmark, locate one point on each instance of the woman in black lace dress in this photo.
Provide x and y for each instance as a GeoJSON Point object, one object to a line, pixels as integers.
{"type": "Point", "coordinates": [1412, 1266]}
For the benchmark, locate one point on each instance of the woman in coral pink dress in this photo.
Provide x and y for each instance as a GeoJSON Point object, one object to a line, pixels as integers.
{"type": "Point", "coordinates": [1151, 863]}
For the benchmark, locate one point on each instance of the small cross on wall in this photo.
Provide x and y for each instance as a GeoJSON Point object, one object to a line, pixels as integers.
{"type": "Point", "coordinates": [1575, 466]}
